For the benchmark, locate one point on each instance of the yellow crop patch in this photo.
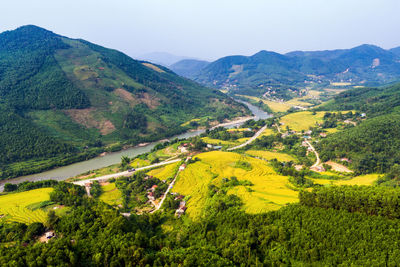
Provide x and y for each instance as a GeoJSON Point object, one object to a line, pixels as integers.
{"type": "Point", "coordinates": [368, 179]}
{"type": "Point", "coordinates": [111, 195]}
{"type": "Point", "coordinates": [268, 155]}
{"type": "Point", "coordinates": [14, 207]}
{"type": "Point", "coordinates": [302, 120]}
{"type": "Point", "coordinates": [163, 173]}
{"type": "Point", "coordinates": [218, 142]}
{"type": "Point", "coordinates": [269, 190]}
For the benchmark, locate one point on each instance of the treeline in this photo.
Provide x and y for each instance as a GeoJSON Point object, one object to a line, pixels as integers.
{"type": "Point", "coordinates": [364, 199]}
{"type": "Point", "coordinates": [93, 234]}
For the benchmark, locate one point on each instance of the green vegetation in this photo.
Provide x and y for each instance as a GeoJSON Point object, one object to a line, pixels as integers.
{"type": "Point", "coordinates": [282, 77]}
{"type": "Point", "coordinates": [298, 234]}
{"type": "Point", "coordinates": [372, 146]}
{"type": "Point", "coordinates": [65, 100]}
{"type": "Point", "coordinates": [111, 195]}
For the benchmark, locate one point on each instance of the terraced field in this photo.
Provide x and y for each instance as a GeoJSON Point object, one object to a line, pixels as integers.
{"type": "Point", "coordinates": [269, 190]}
{"type": "Point", "coordinates": [268, 155]}
{"type": "Point", "coordinates": [14, 207]}
{"type": "Point", "coordinates": [111, 195]}
{"type": "Point", "coordinates": [166, 172]}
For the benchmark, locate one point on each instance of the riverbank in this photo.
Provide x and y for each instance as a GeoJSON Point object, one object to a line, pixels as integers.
{"type": "Point", "coordinates": [72, 170]}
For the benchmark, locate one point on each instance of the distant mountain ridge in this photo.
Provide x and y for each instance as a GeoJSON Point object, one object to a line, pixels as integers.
{"type": "Point", "coordinates": [187, 67]}
{"type": "Point", "coordinates": [274, 73]}
{"type": "Point", "coordinates": [64, 100]}
{"type": "Point", "coordinates": [162, 58]}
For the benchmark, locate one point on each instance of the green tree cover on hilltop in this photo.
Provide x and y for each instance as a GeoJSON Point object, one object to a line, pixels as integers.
{"type": "Point", "coordinates": [94, 234]}
{"type": "Point", "coordinates": [373, 145]}
{"type": "Point", "coordinates": [364, 199]}
{"type": "Point", "coordinates": [373, 101]}
{"type": "Point", "coordinates": [30, 77]}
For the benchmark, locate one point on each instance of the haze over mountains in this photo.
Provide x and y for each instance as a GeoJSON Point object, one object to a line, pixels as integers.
{"type": "Point", "coordinates": [162, 58]}
{"type": "Point", "coordinates": [272, 72]}
{"type": "Point", "coordinates": [60, 97]}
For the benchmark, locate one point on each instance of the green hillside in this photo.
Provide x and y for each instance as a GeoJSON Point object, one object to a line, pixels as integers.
{"type": "Point", "coordinates": [71, 98]}
{"type": "Point", "coordinates": [283, 76]}
{"type": "Point", "coordinates": [373, 145]}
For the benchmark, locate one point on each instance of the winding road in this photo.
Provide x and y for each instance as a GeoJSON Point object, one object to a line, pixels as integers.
{"type": "Point", "coordinates": [125, 173]}
{"type": "Point", "coordinates": [316, 154]}
{"type": "Point", "coordinates": [254, 137]}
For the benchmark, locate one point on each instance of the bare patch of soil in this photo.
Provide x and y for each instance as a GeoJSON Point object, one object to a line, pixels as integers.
{"type": "Point", "coordinates": [85, 118]}
{"type": "Point", "coordinates": [338, 167]}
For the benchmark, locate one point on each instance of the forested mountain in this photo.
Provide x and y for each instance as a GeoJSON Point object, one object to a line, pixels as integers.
{"type": "Point", "coordinates": [187, 67]}
{"type": "Point", "coordinates": [396, 50]}
{"type": "Point", "coordinates": [273, 73]}
{"type": "Point", "coordinates": [61, 96]}
{"type": "Point", "coordinates": [373, 100]}
{"type": "Point", "coordinates": [373, 145]}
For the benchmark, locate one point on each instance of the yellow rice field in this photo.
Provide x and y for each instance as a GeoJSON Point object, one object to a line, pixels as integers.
{"type": "Point", "coordinates": [268, 155]}
{"type": "Point", "coordinates": [368, 179]}
{"type": "Point", "coordinates": [111, 195]}
{"type": "Point", "coordinates": [163, 173]}
{"type": "Point", "coordinates": [302, 120]}
{"type": "Point", "coordinates": [269, 191]}
{"type": "Point", "coordinates": [218, 142]}
{"type": "Point", "coordinates": [14, 207]}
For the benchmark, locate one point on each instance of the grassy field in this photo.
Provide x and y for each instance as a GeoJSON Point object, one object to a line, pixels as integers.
{"type": "Point", "coordinates": [111, 195]}
{"type": "Point", "coordinates": [268, 155]}
{"type": "Point", "coordinates": [302, 120]}
{"type": "Point", "coordinates": [269, 190]}
{"type": "Point", "coordinates": [368, 179]}
{"type": "Point", "coordinates": [17, 207]}
{"type": "Point", "coordinates": [165, 172]}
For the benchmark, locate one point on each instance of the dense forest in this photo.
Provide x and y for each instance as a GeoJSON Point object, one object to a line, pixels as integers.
{"type": "Point", "coordinates": [372, 145]}
{"type": "Point", "coordinates": [321, 230]}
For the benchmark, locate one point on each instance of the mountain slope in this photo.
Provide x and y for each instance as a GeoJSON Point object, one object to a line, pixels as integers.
{"type": "Point", "coordinates": [83, 96]}
{"type": "Point", "coordinates": [187, 67]}
{"type": "Point", "coordinates": [273, 74]}
{"type": "Point", "coordinates": [162, 58]}
{"type": "Point", "coordinates": [372, 145]}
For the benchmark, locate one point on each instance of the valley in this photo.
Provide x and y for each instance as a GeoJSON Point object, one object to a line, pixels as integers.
{"type": "Point", "coordinates": [263, 160]}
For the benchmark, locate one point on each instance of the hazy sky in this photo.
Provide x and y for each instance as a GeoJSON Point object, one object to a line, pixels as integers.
{"type": "Point", "coordinates": [213, 28]}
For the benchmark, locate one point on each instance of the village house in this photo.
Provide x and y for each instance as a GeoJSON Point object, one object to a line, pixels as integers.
{"type": "Point", "coordinates": [182, 167]}
{"type": "Point", "coordinates": [318, 169]}
{"type": "Point", "coordinates": [181, 210]}
{"type": "Point", "coordinates": [150, 196]}
{"type": "Point", "coordinates": [322, 134]}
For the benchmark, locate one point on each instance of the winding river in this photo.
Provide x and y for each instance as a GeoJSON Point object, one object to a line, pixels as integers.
{"type": "Point", "coordinates": [68, 171]}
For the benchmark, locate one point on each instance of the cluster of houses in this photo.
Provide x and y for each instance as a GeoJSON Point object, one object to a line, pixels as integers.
{"type": "Point", "coordinates": [182, 204]}
{"type": "Point", "coordinates": [184, 148]}
{"type": "Point", "coordinates": [150, 192]}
